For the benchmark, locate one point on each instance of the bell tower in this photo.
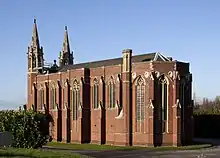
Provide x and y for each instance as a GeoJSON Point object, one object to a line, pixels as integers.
{"type": "Point", "coordinates": [35, 53]}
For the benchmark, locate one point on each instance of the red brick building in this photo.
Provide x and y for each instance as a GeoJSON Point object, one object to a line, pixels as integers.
{"type": "Point", "coordinates": [132, 100]}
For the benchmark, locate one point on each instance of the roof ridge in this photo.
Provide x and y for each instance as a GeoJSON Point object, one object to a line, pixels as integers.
{"type": "Point", "coordinates": [115, 58]}
{"type": "Point", "coordinates": [108, 62]}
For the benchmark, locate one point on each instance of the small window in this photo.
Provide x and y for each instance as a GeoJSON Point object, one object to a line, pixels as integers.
{"type": "Point", "coordinates": [75, 99]}
{"type": "Point", "coordinates": [53, 98]}
{"type": "Point", "coordinates": [111, 95]}
{"type": "Point", "coordinates": [95, 94]}
{"type": "Point", "coordinates": [41, 99]}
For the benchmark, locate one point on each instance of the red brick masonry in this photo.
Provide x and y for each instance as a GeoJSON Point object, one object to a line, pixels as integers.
{"type": "Point", "coordinates": [119, 125]}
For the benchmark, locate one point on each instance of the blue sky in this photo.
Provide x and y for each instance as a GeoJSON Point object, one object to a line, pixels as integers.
{"type": "Point", "coordinates": [98, 29]}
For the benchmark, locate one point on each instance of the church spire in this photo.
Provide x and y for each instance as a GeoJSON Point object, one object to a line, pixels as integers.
{"type": "Point", "coordinates": [66, 45]}
{"type": "Point", "coordinates": [35, 39]}
{"type": "Point", "coordinates": [66, 57]}
{"type": "Point", "coordinates": [35, 52]}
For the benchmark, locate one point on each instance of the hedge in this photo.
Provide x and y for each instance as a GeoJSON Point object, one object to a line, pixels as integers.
{"type": "Point", "coordinates": [29, 128]}
{"type": "Point", "coordinates": [207, 125]}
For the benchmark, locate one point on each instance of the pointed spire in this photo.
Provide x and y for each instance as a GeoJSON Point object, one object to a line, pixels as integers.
{"type": "Point", "coordinates": [66, 46]}
{"type": "Point", "coordinates": [35, 39]}
{"type": "Point", "coordinates": [66, 57]}
{"type": "Point", "coordinates": [35, 52]}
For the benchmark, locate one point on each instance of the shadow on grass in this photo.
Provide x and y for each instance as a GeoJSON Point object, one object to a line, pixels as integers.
{"type": "Point", "coordinates": [94, 147]}
{"type": "Point", "coordinates": [213, 141]}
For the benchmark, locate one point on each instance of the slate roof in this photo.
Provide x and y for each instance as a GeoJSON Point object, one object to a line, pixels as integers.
{"type": "Point", "coordinates": [115, 61]}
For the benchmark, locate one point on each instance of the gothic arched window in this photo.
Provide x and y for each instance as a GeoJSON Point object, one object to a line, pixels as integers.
{"type": "Point", "coordinates": [95, 94]}
{"type": "Point", "coordinates": [163, 91]}
{"type": "Point", "coordinates": [42, 99]}
{"type": "Point", "coordinates": [111, 88]}
{"type": "Point", "coordinates": [34, 96]}
{"type": "Point", "coordinates": [75, 98]}
{"type": "Point", "coordinates": [53, 97]}
{"type": "Point", "coordinates": [140, 99]}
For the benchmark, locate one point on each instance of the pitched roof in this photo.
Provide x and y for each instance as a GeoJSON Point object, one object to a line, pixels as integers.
{"type": "Point", "coordinates": [116, 61]}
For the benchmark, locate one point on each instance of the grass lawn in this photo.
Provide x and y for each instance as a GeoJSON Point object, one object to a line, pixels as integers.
{"type": "Point", "coordinates": [36, 153]}
{"type": "Point", "coordinates": [109, 147]}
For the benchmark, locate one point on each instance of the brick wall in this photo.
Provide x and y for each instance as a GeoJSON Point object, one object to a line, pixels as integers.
{"type": "Point", "coordinates": [116, 126]}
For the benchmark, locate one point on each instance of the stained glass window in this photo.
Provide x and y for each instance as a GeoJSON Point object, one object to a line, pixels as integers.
{"type": "Point", "coordinates": [163, 90]}
{"type": "Point", "coordinates": [140, 92]}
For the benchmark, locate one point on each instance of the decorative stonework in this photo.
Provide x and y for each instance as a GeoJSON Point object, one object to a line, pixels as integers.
{"type": "Point", "coordinates": [152, 75]}
{"type": "Point", "coordinates": [65, 106]}
{"type": "Point", "coordinates": [157, 73]}
{"type": "Point", "coordinates": [118, 78]}
{"type": "Point", "coordinates": [100, 81]}
{"type": "Point", "coordinates": [170, 74]}
{"type": "Point", "coordinates": [56, 107]}
{"type": "Point", "coordinates": [53, 84]}
{"type": "Point", "coordinates": [174, 75]}
{"type": "Point", "coordinates": [40, 86]}
{"type": "Point", "coordinates": [72, 81]}
{"type": "Point", "coordinates": [177, 105]}
{"type": "Point", "coordinates": [146, 74]}
{"type": "Point", "coordinates": [151, 106]}
{"type": "Point", "coordinates": [80, 106]}
{"type": "Point", "coordinates": [45, 84]}
{"type": "Point", "coordinates": [58, 83]}
{"type": "Point", "coordinates": [111, 79]}
{"type": "Point", "coordinates": [100, 105]}
{"type": "Point", "coordinates": [126, 60]}
{"type": "Point", "coordinates": [92, 78]}
{"type": "Point", "coordinates": [66, 83]}
{"type": "Point", "coordinates": [134, 75]}
{"type": "Point", "coordinates": [33, 86]}
{"type": "Point", "coordinates": [121, 114]}
{"type": "Point", "coordinates": [81, 81]}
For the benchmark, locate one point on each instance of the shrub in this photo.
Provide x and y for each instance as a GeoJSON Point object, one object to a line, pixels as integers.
{"type": "Point", "coordinates": [29, 129]}
{"type": "Point", "coordinates": [207, 125]}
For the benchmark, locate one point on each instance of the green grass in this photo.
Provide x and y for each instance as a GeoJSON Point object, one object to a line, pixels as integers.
{"type": "Point", "coordinates": [109, 147]}
{"type": "Point", "coordinates": [36, 153]}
